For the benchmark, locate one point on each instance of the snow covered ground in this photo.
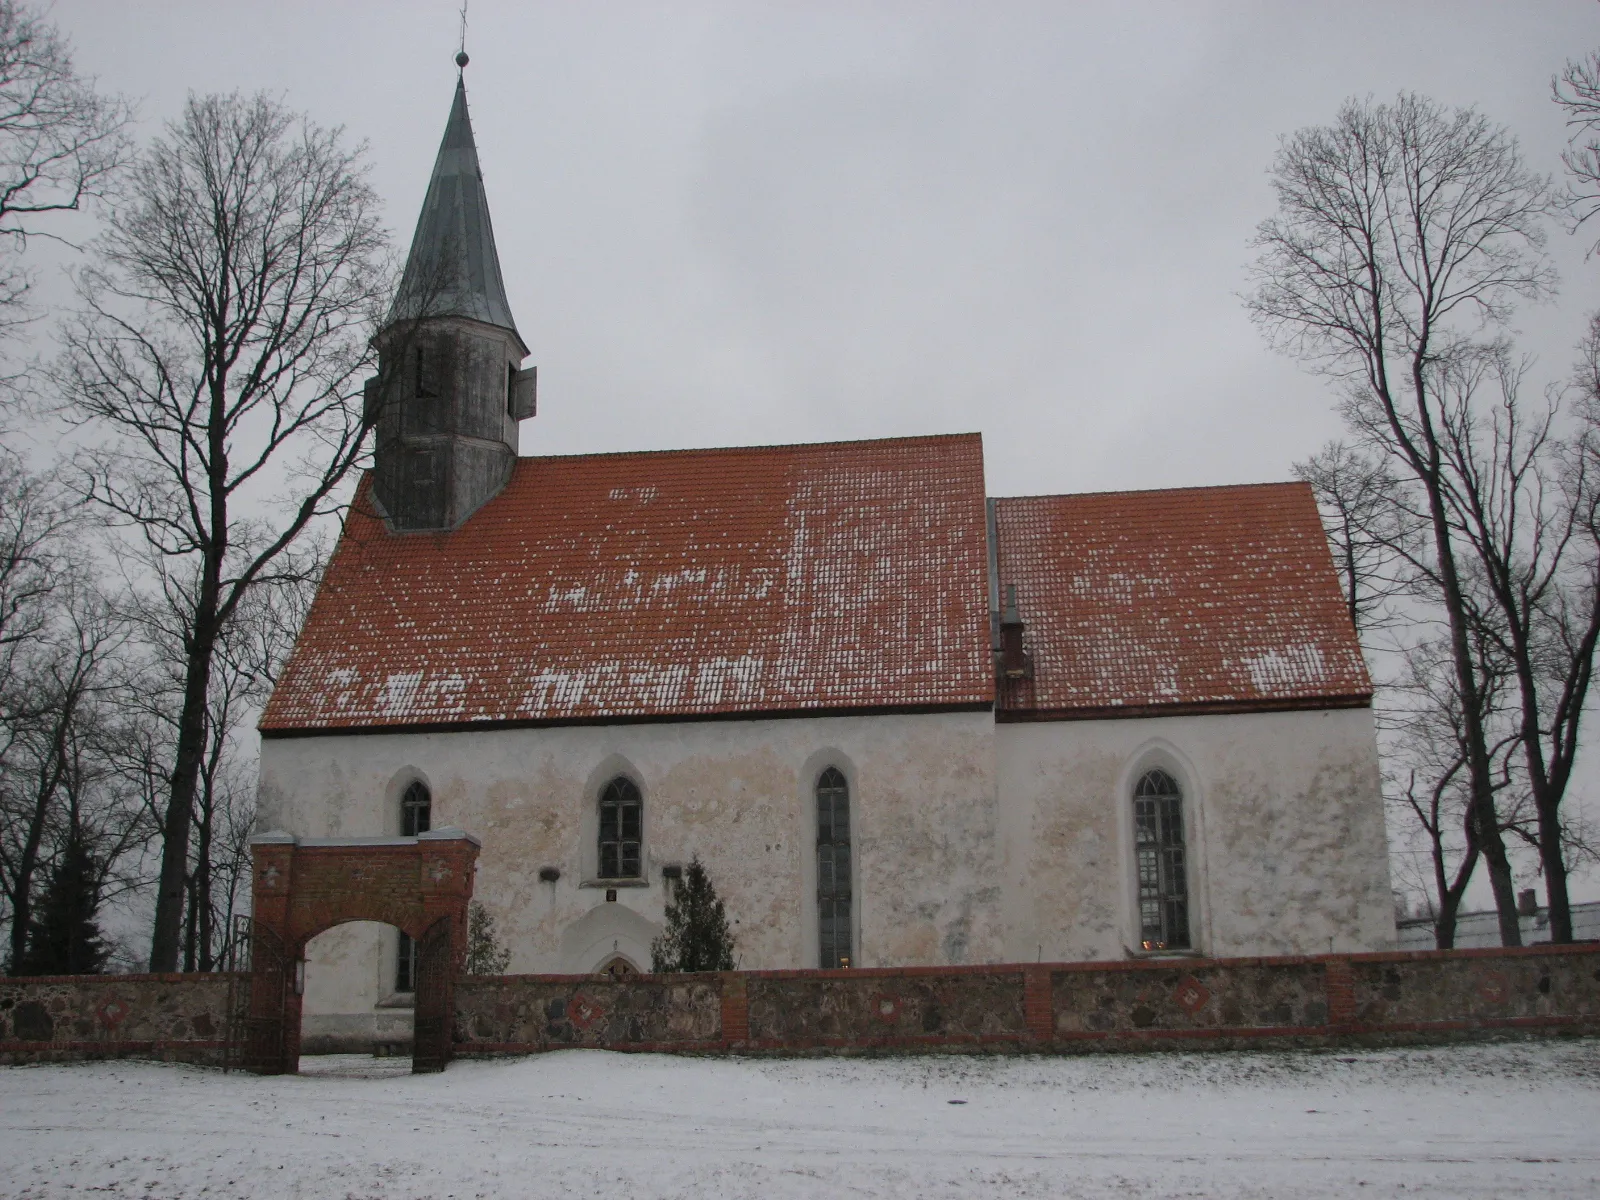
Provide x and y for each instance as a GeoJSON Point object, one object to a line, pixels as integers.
{"type": "Point", "coordinates": [1490, 1121]}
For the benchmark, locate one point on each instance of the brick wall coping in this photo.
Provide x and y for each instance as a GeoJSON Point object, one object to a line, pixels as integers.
{"type": "Point", "coordinates": [1140, 964]}
{"type": "Point", "coordinates": [109, 980]}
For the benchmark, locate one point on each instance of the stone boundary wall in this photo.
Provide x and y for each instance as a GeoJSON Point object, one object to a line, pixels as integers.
{"type": "Point", "coordinates": [1390, 998]}
{"type": "Point", "coordinates": [1386, 998]}
{"type": "Point", "coordinates": [58, 1018]}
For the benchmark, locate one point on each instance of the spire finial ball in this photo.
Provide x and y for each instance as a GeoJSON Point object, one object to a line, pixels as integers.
{"type": "Point", "coordinates": [462, 60]}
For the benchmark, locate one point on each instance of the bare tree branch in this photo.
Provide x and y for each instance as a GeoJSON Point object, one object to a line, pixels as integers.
{"type": "Point", "coordinates": [220, 349]}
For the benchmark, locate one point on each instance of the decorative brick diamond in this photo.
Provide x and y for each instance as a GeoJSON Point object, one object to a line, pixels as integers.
{"type": "Point", "coordinates": [1494, 987]}
{"type": "Point", "coordinates": [1191, 995]}
{"type": "Point", "coordinates": [112, 1012]}
{"type": "Point", "coordinates": [583, 1011]}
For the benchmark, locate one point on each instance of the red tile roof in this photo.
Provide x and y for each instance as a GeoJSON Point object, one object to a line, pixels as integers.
{"type": "Point", "coordinates": [769, 579]}
{"type": "Point", "coordinates": [1193, 596]}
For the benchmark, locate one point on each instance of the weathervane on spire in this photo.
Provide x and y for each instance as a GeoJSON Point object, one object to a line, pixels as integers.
{"type": "Point", "coordinates": [461, 55]}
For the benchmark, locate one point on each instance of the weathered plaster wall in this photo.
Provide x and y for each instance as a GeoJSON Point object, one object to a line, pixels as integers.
{"type": "Point", "coordinates": [1287, 849]}
{"type": "Point", "coordinates": [738, 793]}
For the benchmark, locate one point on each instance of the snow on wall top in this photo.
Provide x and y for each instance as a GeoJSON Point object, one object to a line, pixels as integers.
{"type": "Point", "coordinates": [695, 582]}
{"type": "Point", "coordinates": [1184, 596]}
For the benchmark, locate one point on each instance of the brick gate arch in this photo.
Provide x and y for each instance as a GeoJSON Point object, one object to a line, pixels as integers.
{"type": "Point", "coordinates": [302, 886]}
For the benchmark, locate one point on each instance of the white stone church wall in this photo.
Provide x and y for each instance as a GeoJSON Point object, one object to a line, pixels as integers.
{"type": "Point", "coordinates": [1287, 852]}
{"type": "Point", "coordinates": [738, 793]}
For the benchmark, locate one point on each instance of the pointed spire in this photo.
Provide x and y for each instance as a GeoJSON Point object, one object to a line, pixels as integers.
{"type": "Point", "coordinates": [453, 269]}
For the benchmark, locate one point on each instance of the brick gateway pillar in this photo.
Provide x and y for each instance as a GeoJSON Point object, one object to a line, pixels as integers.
{"type": "Point", "coordinates": [302, 886]}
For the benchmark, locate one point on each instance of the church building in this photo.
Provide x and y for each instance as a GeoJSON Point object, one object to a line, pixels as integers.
{"type": "Point", "coordinates": [901, 720]}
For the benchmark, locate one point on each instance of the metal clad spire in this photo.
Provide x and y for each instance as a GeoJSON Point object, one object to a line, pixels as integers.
{"type": "Point", "coordinates": [453, 269]}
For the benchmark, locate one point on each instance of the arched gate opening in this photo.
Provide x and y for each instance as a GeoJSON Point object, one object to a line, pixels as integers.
{"type": "Point", "coordinates": [421, 885]}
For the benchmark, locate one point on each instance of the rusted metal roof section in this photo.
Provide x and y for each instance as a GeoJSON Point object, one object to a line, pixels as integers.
{"type": "Point", "coordinates": [1184, 599]}
{"type": "Point", "coordinates": [453, 269]}
{"type": "Point", "coordinates": [679, 584]}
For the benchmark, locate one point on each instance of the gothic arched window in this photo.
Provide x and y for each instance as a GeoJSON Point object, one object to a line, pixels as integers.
{"type": "Point", "coordinates": [416, 809]}
{"type": "Point", "coordinates": [621, 825]}
{"type": "Point", "coordinates": [833, 869]}
{"type": "Point", "coordinates": [1159, 849]}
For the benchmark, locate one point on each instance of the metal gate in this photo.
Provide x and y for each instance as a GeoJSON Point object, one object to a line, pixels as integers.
{"type": "Point", "coordinates": [436, 967]}
{"type": "Point", "coordinates": [257, 1001]}
{"type": "Point", "coordinates": [236, 961]}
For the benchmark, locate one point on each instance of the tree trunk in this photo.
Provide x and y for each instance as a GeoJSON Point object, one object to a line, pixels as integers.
{"type": "Point", "coordinates": [49, 782]}
{"type": "Point", "coordinates": [1486, 820]}
{"type": "Point", "coordinates": [22, 882]}
{"type": "Point", "coordinates": [202, 888]}
{"type": "Point", "coordinates": [188, 924]}
{"type": "Point", "coordinates": [1553, 858]}
{"type": "Point", "coordinates": [164, 943]}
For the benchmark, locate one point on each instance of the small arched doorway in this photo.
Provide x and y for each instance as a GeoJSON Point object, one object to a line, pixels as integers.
{"type": "Point", "coordinates": [421, 885]}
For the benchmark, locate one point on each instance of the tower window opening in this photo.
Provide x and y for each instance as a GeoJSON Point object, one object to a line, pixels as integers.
{"type": "Point", "coordinates": [426, 384]}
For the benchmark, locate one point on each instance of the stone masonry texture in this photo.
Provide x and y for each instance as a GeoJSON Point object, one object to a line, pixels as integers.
{"type": "Point", "coordinates": [50, 1018]}
{"type": "Point", "coordinates": [1326, 1000]}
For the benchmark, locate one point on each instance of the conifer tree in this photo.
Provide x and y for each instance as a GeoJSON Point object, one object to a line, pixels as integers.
{"type": "Point", "coordinates": [64, 939]}
{"type": "Point", "coordinates": [697, 936]}
{"type": "Point", "coordinates": [485, 954]}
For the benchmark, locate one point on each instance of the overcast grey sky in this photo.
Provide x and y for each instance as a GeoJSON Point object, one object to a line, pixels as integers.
{"type": "Point", "coordinates": [733, 223]}
{"type": "Point", "coordinates": [746, 222]}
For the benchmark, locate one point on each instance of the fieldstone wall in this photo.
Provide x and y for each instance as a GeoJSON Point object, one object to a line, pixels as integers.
{"type": "Point", "coordinates": [1059, 1008]}
{"type": "Point", "coordinates": [1475, 988]}
{"type": "Point", "coordinates": [521, 1014]}
{"type": "Point", "coordinates": [1260, 996]}
{"type": "Point", "coordinates": [863, 1009]}
{"type": "Point", "coordinates": [1035, 1008]}
{"type": "Point", "coordinates": [54, 1018]}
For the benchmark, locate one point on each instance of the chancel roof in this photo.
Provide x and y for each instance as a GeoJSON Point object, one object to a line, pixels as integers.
{"type": "Point", "coordinates": [816, 578]}
{"type": "Point", "coordinates": [453, 269]}
{"type": "Point", "coordinates": [1190, 597]}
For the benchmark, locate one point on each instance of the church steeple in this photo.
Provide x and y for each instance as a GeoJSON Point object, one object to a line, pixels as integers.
{"type": "Point", "coordinates": [453, 269]}
{"type": "Point", "coordinates": [449, 391]}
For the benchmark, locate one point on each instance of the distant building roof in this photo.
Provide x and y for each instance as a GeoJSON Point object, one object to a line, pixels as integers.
{"type": "Point", "coordinates": [1178, 599]}
{"type": "Point", "coordinates": [688, 583]}
{"type": "Point", "coordinates": [453, 269]}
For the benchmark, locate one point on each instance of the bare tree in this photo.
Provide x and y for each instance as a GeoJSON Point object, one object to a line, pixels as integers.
{"type": "Point", "coordinates": [45, 771]}
{"type": "Point", "coordinates": [1425, 776]}
{"type": "Point", "coordinates": [1577, 91]}
{"type": "Point", "coordinates": [61, 142]}
{"type": "Point", "coordinates": [217, 359]}
{"type": "Point", "coordinates": [1527, 504]}
{"type": "Point", "coordinates": [1372, 533]}
{"type": "Point", "coordinates": [1402, 230]}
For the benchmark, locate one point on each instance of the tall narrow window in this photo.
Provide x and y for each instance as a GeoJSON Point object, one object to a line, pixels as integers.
{"type": "Point", "coordinates": [427, 385]}
{"type": "Point", "coordinates": [511, 390]}
{"type": "Point", "coordinates": [1158, 841]}
{"type": "Point", "coordinates": [621, 822]}
{"type": "Point", "coordinates": [833, 869]}
{"type": "Point", "coordinates": [416, 816]}
{"type": "Point", "coordinates": [416, 810]}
